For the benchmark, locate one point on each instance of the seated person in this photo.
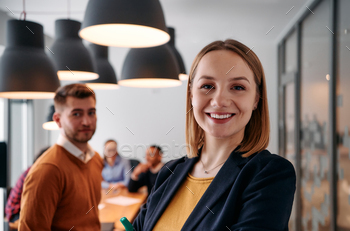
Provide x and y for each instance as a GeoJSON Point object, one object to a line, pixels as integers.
{"type": "Point", "coordinates": [116, 172]}
{"type": "Point", "coordinates": [146, 174]}
{"type": "Point", "coordinates": [13, 204]}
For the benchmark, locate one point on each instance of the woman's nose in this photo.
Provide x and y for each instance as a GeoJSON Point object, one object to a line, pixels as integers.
{"type": "Point", "coordinates": [220, 99]}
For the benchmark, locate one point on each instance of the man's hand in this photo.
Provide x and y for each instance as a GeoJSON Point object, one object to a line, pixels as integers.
{"type": "Point", "coordinates": [140, 168]}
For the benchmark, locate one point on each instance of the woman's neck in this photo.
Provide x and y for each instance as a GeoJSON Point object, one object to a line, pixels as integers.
{"type": "Point", "coordinates": [214, 154]}
{"type": "Point", "coordinates": [111, 162]}
{"type": "Point", "coordinates": [216, 150]}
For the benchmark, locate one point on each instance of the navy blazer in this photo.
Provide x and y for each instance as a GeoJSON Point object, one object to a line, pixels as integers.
{"type": "Point", "coordinates": [254, 193]}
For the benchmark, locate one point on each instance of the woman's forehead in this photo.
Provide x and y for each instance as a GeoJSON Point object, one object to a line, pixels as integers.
{"type": "Point", "coordinates": [223, 63]}
{"type": "Point", "coordinates": [111, 145]}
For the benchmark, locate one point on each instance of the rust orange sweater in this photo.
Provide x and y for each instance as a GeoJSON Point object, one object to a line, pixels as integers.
{"type": "Point", "coordinates": [61, 193]}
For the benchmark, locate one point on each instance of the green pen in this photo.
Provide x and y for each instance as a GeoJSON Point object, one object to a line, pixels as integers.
{"type": "Point", "coordinates": [127, 225]}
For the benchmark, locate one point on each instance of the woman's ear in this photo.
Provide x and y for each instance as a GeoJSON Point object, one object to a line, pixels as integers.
{"type": "Point", "coordinates": [191, 95]}
{"type": "Point", "coordinates": [257, 98]}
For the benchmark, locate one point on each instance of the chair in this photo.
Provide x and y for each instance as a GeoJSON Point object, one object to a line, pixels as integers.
{"type": "Point", "coordinates": [133, 164]}
{"type": "Point", "coordinates": [8, 192]}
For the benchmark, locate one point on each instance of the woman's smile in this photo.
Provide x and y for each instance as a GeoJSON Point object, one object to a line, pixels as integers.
{"type": "Point", "coordinates": [220, 118]}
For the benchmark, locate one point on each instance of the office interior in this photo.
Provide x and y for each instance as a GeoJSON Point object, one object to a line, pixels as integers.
{"type": "Point", "coordinates": [304, 47]}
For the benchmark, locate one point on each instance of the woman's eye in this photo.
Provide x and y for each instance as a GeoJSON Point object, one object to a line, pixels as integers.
{"type": "Point", "coordinates": [238, 88]}
{"type": "Point", "coordinates": [76, 114]}
{"type": "Point", "coordinates": [206, 86]}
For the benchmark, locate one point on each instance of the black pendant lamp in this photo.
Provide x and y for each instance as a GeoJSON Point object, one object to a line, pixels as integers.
{"type": "Point", "coordinates": [26, 72]}
{"type": "Point", "coordinates": [125, 23]}
{"type": "Point", "coordinates": [107, 78]}
{"type": "Point", "coordinates": [71, 57]}
{"type": "Point", "coordinates": [182, 75]}
{"type": "Point", "coordinates": [153, 67]}
{"type": "Point", "coordinates": [50, 124]}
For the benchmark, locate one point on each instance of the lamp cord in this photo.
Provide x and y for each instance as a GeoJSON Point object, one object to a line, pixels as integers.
{"type": "Point", "coordinates": [23, 12]}
{"type": "Point", "coordinates": [68, 9]}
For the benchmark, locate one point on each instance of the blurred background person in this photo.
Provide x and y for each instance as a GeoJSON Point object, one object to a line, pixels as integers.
{"type": "Point", "coordinates": [145, 174]}
{"type": "Point", "coordinates": [117, 170]}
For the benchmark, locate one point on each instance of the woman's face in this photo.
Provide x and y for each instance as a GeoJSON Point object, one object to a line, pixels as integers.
{"type": "Point", "coordinates": [111, 152]}
{"type": "Point", "coordinates": [223, 94]}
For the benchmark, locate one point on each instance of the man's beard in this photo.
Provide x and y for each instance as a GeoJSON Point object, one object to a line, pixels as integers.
{"type": "Point", "coordinates": [75, 136]}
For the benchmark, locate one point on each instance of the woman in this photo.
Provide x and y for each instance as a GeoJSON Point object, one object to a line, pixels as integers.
{"type": "Point", "coordinates": [115, 172]}
{"type": "Point", "coordinates": [227, 181]}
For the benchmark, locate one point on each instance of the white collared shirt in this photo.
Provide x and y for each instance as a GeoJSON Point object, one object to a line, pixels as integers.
{"type": "Point", "coordinates": [74, 150]}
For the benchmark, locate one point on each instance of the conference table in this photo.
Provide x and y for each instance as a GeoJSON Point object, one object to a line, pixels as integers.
{"type": "Point", "coordinates": [117, 204]}
{"type": "Point", "coordinates": [113, 206]}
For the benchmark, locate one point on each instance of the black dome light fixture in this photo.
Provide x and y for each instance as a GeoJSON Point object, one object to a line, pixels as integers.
{"type": "Point", "coordinates": [72, 59]}
{"type": "Point", "coordinates": [153, 67]}
{"type": "Point", "coordinates": [107, 78]}
{"type": "Point", "coordinates": [182, 75]}
{"type": "Point", "coordinates": [26, 72]}
{"type": "Point", "coordinates": [50, 124]}
{"type": "Point", "coordinates": [124, 23]}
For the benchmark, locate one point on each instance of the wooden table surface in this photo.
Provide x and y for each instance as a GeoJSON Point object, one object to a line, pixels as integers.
{"type": "Point", "coordinates": [112, 213]}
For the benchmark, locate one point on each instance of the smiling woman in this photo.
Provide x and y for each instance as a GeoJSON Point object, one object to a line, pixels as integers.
{"type": "Point", "coordinates": [228, 180]}
{"type": "Point", "coordinates": [223, 104]}
{"type": "Point", "coordinates": [230, 65]}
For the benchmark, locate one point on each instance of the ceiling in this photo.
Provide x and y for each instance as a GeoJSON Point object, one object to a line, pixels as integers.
{"type": "Point", "coordinates": [197, 22]}
{"type": "Point", "coordinates": [194, 20]}
{"type": "Point", "coordinates": [256, 23]}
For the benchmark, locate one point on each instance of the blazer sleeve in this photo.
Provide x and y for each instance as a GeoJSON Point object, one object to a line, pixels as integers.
{"type": "Point", "coordinates": [268, 198]}
{"type": "Point", "coordinates": [140, 219]}
{"type": "Point", "coordinates": [41, 194]}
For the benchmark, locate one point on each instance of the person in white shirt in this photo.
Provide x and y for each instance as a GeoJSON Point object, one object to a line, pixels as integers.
{"type": "Point", "coordinates": [63, 188]}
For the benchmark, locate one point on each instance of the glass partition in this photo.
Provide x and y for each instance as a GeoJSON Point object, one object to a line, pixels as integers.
{"type": "Point", "coordinates": [315, 62]}
{"type": "Point", "coordinates": [343, 116]}
{"type": "Point", "coordinates": [289, 108]}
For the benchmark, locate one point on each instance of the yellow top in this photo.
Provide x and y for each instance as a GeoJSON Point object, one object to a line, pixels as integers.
{"type": "Point", "coordinates": [183, 203]}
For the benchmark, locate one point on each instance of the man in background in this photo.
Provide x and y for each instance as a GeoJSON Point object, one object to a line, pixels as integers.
{"type": "Point", "coordinates": [146, 174]}
{"type": "Point", "coordinates": [63, 188]}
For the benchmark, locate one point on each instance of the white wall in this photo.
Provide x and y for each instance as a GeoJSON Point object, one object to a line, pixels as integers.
{"type": "Point", "coordinates": [149, 114]}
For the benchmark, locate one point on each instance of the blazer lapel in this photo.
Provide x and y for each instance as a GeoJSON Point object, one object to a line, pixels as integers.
{"type": "Point", "coordinates": [174, 182]}
{"type": "Point", "coordinates": [222, 182]}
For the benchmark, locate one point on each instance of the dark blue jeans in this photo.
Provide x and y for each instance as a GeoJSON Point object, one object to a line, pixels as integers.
{"type": "Point", "coordinates": [14, 217]}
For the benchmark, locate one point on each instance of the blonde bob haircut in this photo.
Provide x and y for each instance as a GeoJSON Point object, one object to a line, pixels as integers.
{"type": "Point", "coordinates": [257, 131]}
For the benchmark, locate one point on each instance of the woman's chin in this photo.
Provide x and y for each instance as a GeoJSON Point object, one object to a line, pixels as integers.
{"type": "Point", "coordinates": [219, 135]}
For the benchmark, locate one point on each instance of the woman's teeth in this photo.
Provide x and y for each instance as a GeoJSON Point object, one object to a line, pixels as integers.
{"type": "Point", "coordinates": [216, 116]}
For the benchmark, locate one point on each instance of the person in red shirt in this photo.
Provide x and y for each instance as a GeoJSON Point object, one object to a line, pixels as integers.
{"type": "Point", "coordinates": [13, 204]}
